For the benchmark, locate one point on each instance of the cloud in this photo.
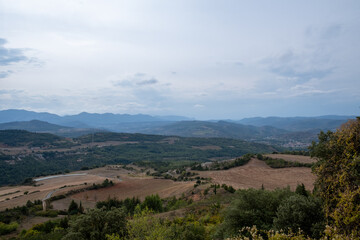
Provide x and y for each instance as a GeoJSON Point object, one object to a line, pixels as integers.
{"type": "Point", "coordinates": [10, 55]}
{"type": "Point", "coordinates": [137, 79]}
{"type": "Point", "coordinates": [4, 74]}
{"type": "Point", "coordinates": [297, 67]}
{"type": "Point", "coordinates": [148, 82]}
{"type": "Point", "coordinates": [198, 106]}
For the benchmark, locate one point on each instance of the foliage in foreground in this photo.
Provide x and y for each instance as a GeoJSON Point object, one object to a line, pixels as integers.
{"type": "Point", "coordinates": [338, 177]}
{"type": "Point", "coordinates": [272, 210]}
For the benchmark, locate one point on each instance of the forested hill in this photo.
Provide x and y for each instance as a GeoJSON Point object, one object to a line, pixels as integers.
{"type": "Point", "coordinates": [22, 138]}
{"type": "Point", "coordinates": [217, 129]}
{"type": "Point", "coordinates": [98, 149]}
{"type": "Point", "coordinates": [45, 127]}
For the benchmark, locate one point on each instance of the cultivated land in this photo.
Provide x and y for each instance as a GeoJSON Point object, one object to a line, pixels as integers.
{"type": "Point", "coordinates": [256, 174]}
{"type": "Point", "coordinates": [15, 196]}
{"type": "Point", "coordinates": [133, 182]}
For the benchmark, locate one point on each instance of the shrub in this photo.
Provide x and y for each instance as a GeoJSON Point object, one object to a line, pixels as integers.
{"type": "Point", "coordinates": [8, 228]}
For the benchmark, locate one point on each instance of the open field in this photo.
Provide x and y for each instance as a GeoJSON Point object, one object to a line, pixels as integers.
{"type": "Point", "coordinates": [15, 196]}
{"type": "Point", "coordinates": [293, 158]}
{"type": "Point", "coordinates": [128, 187]}
{"type": "Point", "coordinates": [257, 173]}
{"type": "Point", "coordinates": [135, 183]}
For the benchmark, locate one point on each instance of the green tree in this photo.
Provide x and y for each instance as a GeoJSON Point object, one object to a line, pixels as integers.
{"type": "Point", "coordinates": [338, 172]}
{"type": "Point", "coordinates": [73, 208]}
{"type": "Point", "coordinates": [252, 207]}
{"type": "Point", "coordinates": [153, 202]}
{"type": "Point", "coordinates": [97, 224]}
{"type": "Point", "coordinates": [302, 212]}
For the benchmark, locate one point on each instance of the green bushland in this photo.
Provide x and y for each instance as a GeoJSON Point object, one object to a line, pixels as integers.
{"type": "Point", "coordinates": [150, 151]}
{"type": "Point", "coordinates": [281, 163]}
{"type": "Point", "coordinates": [8, 228]}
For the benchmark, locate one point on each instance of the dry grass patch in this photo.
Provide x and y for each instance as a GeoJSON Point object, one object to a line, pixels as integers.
{"type": "Point", "coordinates": [257, 173]}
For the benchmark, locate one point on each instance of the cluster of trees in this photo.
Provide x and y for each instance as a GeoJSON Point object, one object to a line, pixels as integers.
{"type": "Point", "coordinates": [281, 163]}
{"type": "Point", "coordinates": [278, 209]}
{"type": "Point", "coordinates": [224, 165]}
{"type": "Point", "coordinates": [338, 178]}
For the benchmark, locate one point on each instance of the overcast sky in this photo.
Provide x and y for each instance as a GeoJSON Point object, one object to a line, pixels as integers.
{"type": "Point", "coordinates": [202, 59]}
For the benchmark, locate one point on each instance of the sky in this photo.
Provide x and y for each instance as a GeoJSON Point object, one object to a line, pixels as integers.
{"type": "Point", "coordinates": [203, 59]}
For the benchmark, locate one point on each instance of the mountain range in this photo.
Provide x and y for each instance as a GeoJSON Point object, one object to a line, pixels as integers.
{"type": "Point", "coordinates": [272, 130]}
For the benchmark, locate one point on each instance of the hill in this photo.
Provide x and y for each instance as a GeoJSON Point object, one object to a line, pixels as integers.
{"type": "Point", "coordinates": [155, 151]}
{"type": "Point", "coordinates": [22, 138]}
{"type": "Point", "coordinates": [298, 123]}
{"type": "Point", "coordinates": [45, 127]}
{"type": "Point", "coordinates": [219, 129]}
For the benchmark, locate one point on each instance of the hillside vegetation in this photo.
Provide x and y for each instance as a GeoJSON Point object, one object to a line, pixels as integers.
{"type": "Point", "coordinates": [158, 152]}
{"type": "Point", "coordinates": [21, 138]}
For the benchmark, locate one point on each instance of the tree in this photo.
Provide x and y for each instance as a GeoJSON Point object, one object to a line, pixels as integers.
{"type": "Point", "coordinates": [96, 224]}
{"type": "Point", "coordinates": [302, 212]}
{"type": "Point", "coordinates": [152, 202]}
{"type": "Point", "coordinates": [252, 207]}
{"type": "Point", "coordinates": [338, 172]}
{"type": "Point", "coordinates": [73, 208]}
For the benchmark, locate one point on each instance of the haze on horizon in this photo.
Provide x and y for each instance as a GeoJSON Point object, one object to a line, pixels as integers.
{"type": "Point", "coordinates": [202, 59]}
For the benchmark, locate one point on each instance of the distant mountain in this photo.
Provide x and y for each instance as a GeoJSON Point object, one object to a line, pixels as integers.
{"type": "Point", "coordinates": [14, 115]}
{"type": "Point", "coordinates": [298, 123]}
{"type": "Point", "coordinates": [45, 127]}
{"type": "Point", "coordinates": [32, 126]}
{"type": "Point", "coordinates": [220, 129]}
{"type": "Point", "coordinates": [85, 120]}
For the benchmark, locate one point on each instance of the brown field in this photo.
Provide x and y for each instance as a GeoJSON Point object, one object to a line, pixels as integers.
{"type": "Point", "coordinates": [135, 183]}
{"type": "Point", "coordinates": [293, 158]}
{"type": "Point", "coordinates": [256, 173]}
{"type": "Point", "coordinates": [128, 187]}
{"type": "Point", "coordinates": [17, 197]}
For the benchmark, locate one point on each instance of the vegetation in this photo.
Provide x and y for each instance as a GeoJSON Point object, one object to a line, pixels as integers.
{"type": "Point", "coordinates": [338, 177]}
{"type": "Point", "coordinates": [279, 209]}
{"type": "Point", "coordinates": [143, 150]}
{"type": "Point", "coordinates": [331, 211]}
{"type": "Point", "coordinates": [8, 228]}
{"type": "Point", "coordinates": [17, 138]}
{"type": "Point", "coordinates": [224, 165]}
{"type": "Point", "coordinates": [281, 163]}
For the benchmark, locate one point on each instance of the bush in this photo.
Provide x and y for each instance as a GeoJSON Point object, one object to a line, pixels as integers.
{"type": "Point", "coordinates": [252, 207]}
{"type": "Point", "coordinates": [153, 202]}
{"type": "Point", "coordinates": [8, 228]}
{"type": "Point", "coordinates": [96, 224]}
{"type": "Point", "coordinates": [300, 212]}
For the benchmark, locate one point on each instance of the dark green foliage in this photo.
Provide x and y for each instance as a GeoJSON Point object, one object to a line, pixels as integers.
{"type": "Point", "coordinates": [301, 212]}
{"type": "Point", "coordinates": [189, 231]}
{"type": "Point", "coordinates": [8, 228]}
{"type": "Point", "coordinates": [16, 138]}
{"type": "Point", "coordinates": [153, 202]}
{"type": "Point", "coordinates": [252, 207]}
{"type": "Point", "coordinates": [281, 163]}
{"type": "Point", "coordinates": [230, 189]}
{"type": "Point", "coordinates": [73, 208]}
{"type": "Point", "coordinates": [300, 189]}
{"type": "Point", "coordinates": [96, 224]}
{"type": "Point", "coordinates": [128, 204]}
